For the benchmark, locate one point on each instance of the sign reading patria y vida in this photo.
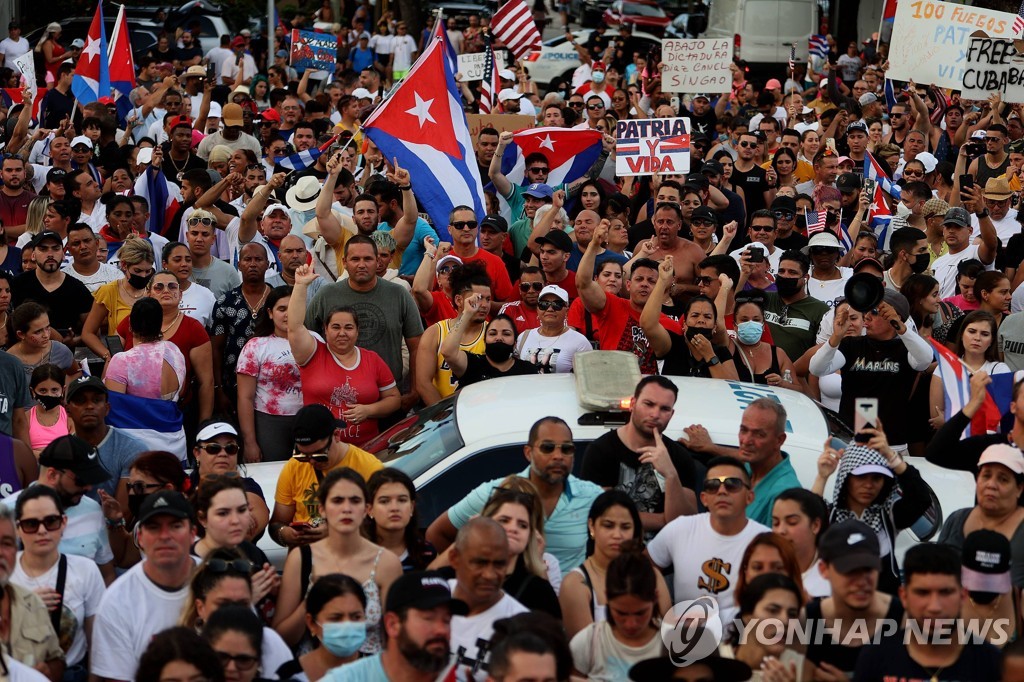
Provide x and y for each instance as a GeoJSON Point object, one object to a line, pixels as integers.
{"type": "Point", "coordinates": [698, 65]}
{"type": "Point", "coordinates": [652, 145]}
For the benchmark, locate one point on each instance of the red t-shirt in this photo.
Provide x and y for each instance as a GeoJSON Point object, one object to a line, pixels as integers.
{"type": "Point", "coordinates": [524, 317]}
{"type": "Point", "coordinates": [326, 382]}
{"type": "Point", "coordinates": [569, 284]}
{"type": "Point", "coordinates": [619, 329]}
{"type": "Point", "coordinates": [501, 285]}
{"type": "Point", "coordinates": [441, 310]}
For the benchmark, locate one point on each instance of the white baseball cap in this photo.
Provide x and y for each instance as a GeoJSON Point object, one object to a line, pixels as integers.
{"type": "Point", "coordinates": [508, 94]}
{"type": "Point", "coordinates": [554, 290]}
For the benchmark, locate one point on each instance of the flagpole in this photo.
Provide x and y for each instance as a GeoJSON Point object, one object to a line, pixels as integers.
{"type": "Point", "coordinates": [271, 45]}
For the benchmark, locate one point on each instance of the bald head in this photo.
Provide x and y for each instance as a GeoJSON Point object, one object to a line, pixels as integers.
{"type": "Point", "coordinates": [584, 226]}
{"type": "Point", "coordinates": [480, 558]}
{"type": "Point", "coordinates": [293, 242]}
{"type": "Point", "coordinates": [480, 530]}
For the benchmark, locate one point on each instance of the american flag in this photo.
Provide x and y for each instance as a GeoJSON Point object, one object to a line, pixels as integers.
{"type": "Point", "coordinates": [815, 221]}
{"type": "Point", "coordinates": [817, 46]}
{"type": "Point", "coordinates": [513, 25]}
{"type": "Point", "coordinates": [490, 86]}
{"type": "Point", "coordinates": [792, 58]}
{"type": "Point", "coordinates": [1018, 22]}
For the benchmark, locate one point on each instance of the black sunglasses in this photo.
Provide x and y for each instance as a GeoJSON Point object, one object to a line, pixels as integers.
{"type": "Point", "coordinates": [243, 662]}
{"type": "Point", "coordinates": [576, 105]}
{"type": "Point", "coordinates": [219, 566]}
{"type": "Point", "coordinates": [445, 269]}
{"type": "Point", "coordinates": [547, 447]}
{"type": "Point", "coordinates": [733, 484]}
{"type": "Point", "coordinates": [318, 457]}
{"type": "Point", "coordinates": [51, 523]}
{"type": "Point", "coordinates": [140, 488]}
{"type": "Point", "coordinates": [217, 448]}
{"type": "Point", "coordinates": [539, 169]}
{"type": "Point", "coordinates": [783, 215]}
{"type": "Point", "coordinates": [526, 286]}
{"type": "Point", "coordinates": [551, 305]}
{"type": "Point", "coordinates": [703, 281]}
{"type": "Point", "coordinates": [748, 145]}
{"type": "Point", "coordinates": [465, 224]}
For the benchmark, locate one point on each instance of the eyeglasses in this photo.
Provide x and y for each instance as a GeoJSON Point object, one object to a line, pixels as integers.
{"type": "Point", "coordinates": [196, 221]}
{"type": "Point", "coordinates": [140, 488]}
{"type": "Point", "coordinates": [551, 305]}
{"type": "Point", "coordinates": [465, 224]}
{"type": "Point", "coordinates": [526, 286]}
{"type": "Point", "coordinates": [547, 447]}
{"type": "Point", "coordinates": [243, 662]}
{"type": "Point", "coordinates": [51, 523]}
{"type": "Point", "coordinates": [733, 484]}
{"type": "Point", "coordinates": [748, 145]}
{"type": "Point", "coordinates": [304, 457]}
{"type": "Point", "coordinates": [539, 169]}
{"type": "Point", "coordinates": [170, 286]}
{"type": "Point", "coordinates": [218, 566]}
{"type": "Point", "coordinates": [783, 215]}
{"type": "Point", "coordinates": [217, 448]}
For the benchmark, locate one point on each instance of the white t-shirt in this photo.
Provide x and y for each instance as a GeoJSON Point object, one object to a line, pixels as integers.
{"type": "Point", "coordinates": [548, 351]}
{"type": "Point", "coordinates": [197, 302]}
{"type": "Point", "coordinates": [216, 56]}
{"type": "Point", "coordinates": [271, 357]}
{"type": "Point", "coordinates": [814, 584]}
{"type": "Point", "coordinates": [1006, 227]}
{"type": "Point", "coordinates": [706, 562]}
{"type": "Point", "coordinates": [773, 258]}
{"type": "Point", "coordinates": [381, 44]}
{"type": "Point", "coordinates": [83, 590]}
{"type": "Point", "coordinates": [13, 48]}
{"type": "Point", "coordinates": [229, 68]}
{"type": "Point", "coordinates": [468, 632]}
{"type": "Point", "coordinates": [106, 273]}
{"type": "Point", "coordinates": [275, 652]}
{"type": "Point", "coordinates": [827, 291]}
{"type": "Point", "coordinates": [131, 612]}
{"type": "Point", "coordinates": [234, 244]}
{"type": "Point", "coordinates": [402, 48]}
{"type": "Point", "coordinates": [97, 219]}
{"type": "Point", "coordinates": [944, 269]}
{"type": "Point", "coordinates": [19, 672]}
{"type": "Point", "coordinates": [598, 655]}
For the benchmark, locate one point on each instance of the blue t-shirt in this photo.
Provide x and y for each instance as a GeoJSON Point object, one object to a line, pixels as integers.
{"type": "Point", "coordinates": [12, 264]}
{"type": "Point", "coordinates": [362, 59]}
{"type": "Point", "coordinates": [414, 252]}
{"type": "Point", "coordinates": [576, 255]}
{"type": "Point", "coordinates": [118, 451]}
{"type": "Point", "coordinates": [367, 669]}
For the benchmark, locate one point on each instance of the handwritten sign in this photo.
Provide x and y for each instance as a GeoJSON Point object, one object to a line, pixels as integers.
{"type": "Point", "coordinates": [500, 122]}
{"type": "Point", "coordinates": [27, 65]}
{"type": "Point", "coordinates": [696, 65]}
{"type": "Point", "coordinates": [993, 65]}
{"type": "Point", "coordinates": [312, 50]}
{"type": "Point", "coordinates": [471, 66]}
{"type": "Point", "coordinates": [652, 145]}
{"type": "Point", "coordinates": [930, 40]}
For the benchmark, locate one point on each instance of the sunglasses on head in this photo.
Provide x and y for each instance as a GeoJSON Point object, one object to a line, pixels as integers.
{"type": "Point", "coordinates": [526, 286]}
{"type": "Point", "coordinates": [551, 305]}
{"type": "Point", "coordinates": [304, 457]}
{"type": "Point", "coordinates": [733, 484]}
{"type": "Point", "coordinates": [51, 523]}
{"type": "Point", "coordinates": [548, 447]}
{"type": "Point", "coordinates": [196, 221]}
{"type": "Point", "coordinates": [465, 224]}
{"type": "Point", "coordinates": [217, 448]}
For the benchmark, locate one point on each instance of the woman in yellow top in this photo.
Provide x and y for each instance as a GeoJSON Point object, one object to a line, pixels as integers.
{"type": "Point", "coordinates": [114, 300]}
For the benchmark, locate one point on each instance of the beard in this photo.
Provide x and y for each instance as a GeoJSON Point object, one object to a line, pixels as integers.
{"type": "Point", "coordinates": [419, 657]}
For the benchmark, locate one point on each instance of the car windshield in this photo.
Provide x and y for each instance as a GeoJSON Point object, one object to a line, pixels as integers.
{"type": "Point", "coordinates": [422, 441]}
{"type": "Point", "coordinates": [636, 9]}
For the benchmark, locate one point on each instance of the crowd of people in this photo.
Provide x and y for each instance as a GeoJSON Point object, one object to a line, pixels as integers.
{"type": "Point", "coordinates": [236, 257]}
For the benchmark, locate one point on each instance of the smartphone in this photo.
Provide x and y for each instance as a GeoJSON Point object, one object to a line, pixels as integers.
{"type": "Point", "coordinates": [869, 187]}
{"type": "Point", "coordinates": [301, 527]}
{"type": "Point", "coordinates": [966, 181]}
{"type": "Point", "coordinates": [211, 72]}
{"type": "Point", "coordinates": [756, 255]}
{"type": "Point", "coordinates": [865, 415]}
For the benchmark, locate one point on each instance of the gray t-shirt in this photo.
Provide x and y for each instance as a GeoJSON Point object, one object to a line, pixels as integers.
{"type": "Point", "coordinates": [387, 314]}
{"type": "Point", "coordinates": [219, 277]}
{"type": "Point", "coordinates": [1011, 340]}
{"type": "Point", "coordinates": [118, 451]}
{"type": "Point", "coordinates": [14, 393]}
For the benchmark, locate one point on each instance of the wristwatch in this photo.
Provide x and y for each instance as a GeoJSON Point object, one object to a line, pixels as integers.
{"type": "Point", "coordinates": [983, 213]}
{"type": "Point", "coordinates": [120, 523]}
{"type": "Point", "coordinates": [714, 361]}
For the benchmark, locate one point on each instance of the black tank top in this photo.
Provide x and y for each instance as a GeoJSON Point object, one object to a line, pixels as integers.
{"type": "Point", "coordinates": [821, 647]}
{"type": "Point", "coordinates": [743, 371]}
{"type": "Point", "coordinates": [985, 171]}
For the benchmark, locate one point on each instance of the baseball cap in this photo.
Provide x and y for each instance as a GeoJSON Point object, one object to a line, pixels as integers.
{"type": "Point", "coordinates": [712, 167]}
{"type": "Point", "coordinates": [898, 302]}
{"type": "Point", "coordinates": [825, 238]}
{"type": "Point", "coordinates": [704, 213]}
{"type": "Point", "coordinates": [313, 423]}
{"type": "Point", "coordinates": [422, 590]}
{"type": "Point", "coordinates": [83, 383]}
{"type": "Point", "coordinates": [78, 42]}
{"type": "Point", "coordinates": [773, 84]}
{"type": "Point", "coordinates": [868, 262]}
{"type": "Point", "coordinates": [211, 431]}
{"type": "Point", "coordinates": [538, 190]}
{"type": "Point", "coordinates": [598, 66]}
{"type": "Point", "coordinates": [179, 121]}
{"type": "Point", "coordinates": [784, 204]}
{"type": "Point", "coordinates": [558, 239]}
{"type": "Point", "coordinates": [106, 101]}
{"type": "Point", "coordinates": [281, 53]}
{"type": "Point", "coordinates": [450, 258]}
{"type": "Point", "coordinates": [1007, 455]}
{"type": "Point", "coordinates": [850, 545]}
{"type": "Point", "coordinates": [494, 221]}
{"type": "Point", "coordinates": [360, 93]}
{"type": "Point", "coordinates": [239, 41]}
{"type": "Point", "coordinates": [81, 139]}
{"type": "Point", "coordinates": [848, 182]}
{"type": "Point", "coordinates": [270, 115]}
{"type": "Point", "coordinates": [56, 175]}
{"type": "Point", "coordinates": [270, 208]}
{"type": "Point", "coordinates": [928, 160]}
{"type": "Point", "coordinates": [701, 95]}
{"type": "Point", "coordinates": [13, 25]}
{"type": "Point", "coordinates": [169, 502]}
{"type": "Point", "coordinates": [554, 290]}
{"type": "Point", "coordinates": [43, 235]}
{"type": "Point", "coordinates": [857, 126]}
{"type": "Point", "coordinates": [867, 98]}
{"type": "Point", "coordinates": [986, 562]}
{"type": "Point", "coordinates": [507, 75]}
{"type": "Point", "coordinates": [71, 453]}
{"type": "Point", "coordinates": [957, 216]}
{"type": "Point", "coordinates": [935, 206]}
{"type": "Point", "coordinates": [508, 94]}
{"type": "Point", "coordinates": [231, 114]}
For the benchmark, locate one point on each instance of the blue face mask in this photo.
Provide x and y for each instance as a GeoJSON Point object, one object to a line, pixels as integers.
{"type": "Point", "coordinates": [749, 332]}
{"type": "Point", "coordinates": [343, 639]}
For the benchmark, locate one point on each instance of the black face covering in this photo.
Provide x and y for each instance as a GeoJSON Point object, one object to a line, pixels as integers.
{"type": "Point", "coordinates": [49, 401]}
{"type": "Point", "coordinates": [499, 351]}
{"type": "Point", "coordinates": [135, 503]}
{"type": "Point", "coordinates": [983, 597]}
{"type": "Point", "coordinates": [831, 218]}
{"type": "Point", "coordinates": [801, 223]}
{"type": "Point", "coordinates": [920, 264]}
{"type": "Point", "coordinates": [697, 331]}
{"type": "Point", "coordinates": [788, 286]}
{"type": "Point", "coordinates": [139, 281]}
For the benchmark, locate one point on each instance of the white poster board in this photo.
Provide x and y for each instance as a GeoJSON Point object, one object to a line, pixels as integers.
{"type": "Point", "coordinates": [26, 63]}
{"type": "Point", "coordinates": [471, 66]}
{"type": "Point", "coordinates": [696, 65]}
{"type": "Point", "coordinates": [993, 65]}
{"type": "Point", "coordinates": [930, 40]}
{"type": "Point", "coordinates": [652, 145]}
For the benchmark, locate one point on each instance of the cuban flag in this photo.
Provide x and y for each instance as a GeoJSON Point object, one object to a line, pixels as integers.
{"type": "Point", "coordinates": [301, 160]}
{"type": "Point", "coordinates": [441, 35]}
{"type": "Point", "coordinates": [157, 423]}
{"type": "Point", "coordinates": [92, 78]}
{"type": "Point", "coordinates": [880, 217]}
{"type": "Point", "coordinates": [164, 198]}
{"type": "Point", "coordinates": [817, 46]}
{"type": "Point", "coordinates": [122, 65]}
{"type": "Point", "coordinates": [11, 96]}
{"type": "Point", "coordinates": [570, 153]}
{"type": "Point", "coordinates": [889, 11]}
{"type": "Point", "coordinates": [956, 386]}
{"type": "Point", "coordinates": [631, 146]}
{"type": "Point", "coordinates": [422, 126]}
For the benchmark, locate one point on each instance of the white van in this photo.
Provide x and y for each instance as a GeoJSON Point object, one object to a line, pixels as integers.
{"type": "Point", "coordinates": [762, 31]}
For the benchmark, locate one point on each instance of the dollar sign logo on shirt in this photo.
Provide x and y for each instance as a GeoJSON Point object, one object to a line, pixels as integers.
{"type": "Point", "coordinates": [715, 579]}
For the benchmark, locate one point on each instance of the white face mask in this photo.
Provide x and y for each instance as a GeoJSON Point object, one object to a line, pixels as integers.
{"type": "Point", "coordinates": [901, 209]}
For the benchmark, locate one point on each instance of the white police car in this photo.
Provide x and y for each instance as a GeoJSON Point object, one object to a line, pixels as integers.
{"type": "Point", "coordinates": [558, 59]}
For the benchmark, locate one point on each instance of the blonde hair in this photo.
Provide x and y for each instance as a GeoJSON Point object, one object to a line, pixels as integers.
{"type": "Point", "coordinates": [36, 212]}
{"type": "Point", "coordinates": [135, 250]}
{"type": "Point", "coordinates": [532, 555]}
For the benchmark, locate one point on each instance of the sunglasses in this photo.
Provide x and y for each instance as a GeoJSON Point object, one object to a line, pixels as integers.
{"type": "Point", "coordinates": [576, 105]}
{"type": "Point", "coordinates": [51, 523]}
{"type": "Point", "coordinates": [218, 566]}
{"type": "Point", "coordinates": [702, 221]}
{"type": "Point", "coordinates": [783, 215]}
{"type": "Point", "coordinates": [703, 281]}
{"type": "Point", "coordinates": [526, 286]}
{"type": "Point", "coordinates": [551, 305]}
{"type": "Point", "coordinates": [992, 139]}
{"type": "Point", "coordinates": [822, 250]}
{"type": "Point", "coordinates": [748, 145]}
{"type": "Point", "coordinates": [169, 286]}
{"type": "Point", "coordinates": [733, 484]}
{"type": "Point", "coordinates": [595, 107]}
{"type": "Point", "coordinates": [205, 221]}
{"type": "Point", "coordinates": [761, 228]}
{"type": "Point", "coordinates": [539, 169]}
{"type": "Point", "coordinates": [896, 115]}
{"type": "Point", "coordinates": [913, 173]}
{"type": "Point", "coordinates": [445, 269]}
{"type": "Point", "coordinates": [217, 448]}
{"type": "Point", "coordinates": [140, 488]}
{"type": "Point", "coordinates": [243, 662]}
{"type": "Point", "coordinates": [318, 457]}
{"type": "Point", "coordinates": [547, 447]}
{"type": "Point", "coordinates": [465, 224]}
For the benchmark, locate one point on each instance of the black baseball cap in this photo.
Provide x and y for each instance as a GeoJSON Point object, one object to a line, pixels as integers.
{"type": "Point", "coordinates": [83, 383]}
{"type": "Point", "coordinates": [558, 239]}
{"type": "Point", "coordinates": [704, 213]}
{"type": "Point", "coordinates": [495, 222]}
{"type": "Point", "coordinates": [848, 182]}
{"type": "Point", "coordinates": [423, 590]}
{"type": "Point", "coordinates": [71, 453]}
{"type": "Point", "coordinates": [44, 235]}
{"type": "Point", "coordinates": [712, 167]}
{"type": "Point", "coordinates": [850, 545]}
{"type": "Point", "coordinates": [169, 502]}
{"type": "Point", "coordinates": [56, 175]}
{"type": "Point", "coordinates": [313, 423]}
{"type": "Point", "coordinates": [784, 204]}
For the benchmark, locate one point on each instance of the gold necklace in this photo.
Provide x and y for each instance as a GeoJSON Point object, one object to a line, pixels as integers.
{"type": "Point", "coordinates": [259, 304]}
{"type": "Point", "coordinates": [128, 293]}
{"type": "Point", "coordinates": [176, 318]}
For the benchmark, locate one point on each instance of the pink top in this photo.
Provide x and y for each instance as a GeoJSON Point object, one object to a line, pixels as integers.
{"type": "Point", "coordinates": [40, 435]}
{"type": "Point", "coordinates": [962, 303]}
{"type": "Point", "coordinates": [140, 369]}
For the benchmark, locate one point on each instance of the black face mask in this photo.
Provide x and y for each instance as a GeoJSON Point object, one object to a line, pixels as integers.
{"type": "Point", "coordinates": [788, 286]}
{"type": "Point", "coordinates": [498, 351]}
{"type": "Point", "coordinates": [831, 218]}
{"type": "Point", "coordinates": [920, 264]}
{"type": "Point", "coordinates": [135, 503]}
{"type": "Point", "coordinates": [49, 401]}
{"type": "Point", "coordinates": [801, 223]}
{"type": "Point", "coordinates": [697, 331]}
{"type": "Point", "coordinates": [139, 281]}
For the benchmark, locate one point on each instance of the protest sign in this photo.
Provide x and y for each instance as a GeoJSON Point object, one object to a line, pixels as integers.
{"type": "Point", "coordinates": [471, 66]}
{"type": "Point", "coordinates": [312, 50]}
{"type": "Point", "coordinates": [930, 40]}
{"type": "Point", "coordinates": [500, 122]}
{"type": "Point", "coordinates": [27, 65]}
{"type": "Point", "coordinates": [652, 145]}
{"type": "Point", "coordinates": [993, 65]}
{"type": "Point", "coordinates": [696, 65]}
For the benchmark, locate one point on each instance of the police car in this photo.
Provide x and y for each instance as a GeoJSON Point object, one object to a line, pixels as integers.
{"type": "Point", "coordinates": [558, 59]}
{"type": "Point", "coordinates": [479, 433]}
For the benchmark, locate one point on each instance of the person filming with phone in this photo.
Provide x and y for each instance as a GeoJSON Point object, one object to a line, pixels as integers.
{"type": "Point", "coordinates": [882, 364]}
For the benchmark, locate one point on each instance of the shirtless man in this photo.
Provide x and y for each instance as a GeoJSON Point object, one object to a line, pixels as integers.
{"type": "Point", "coordinates": [668, 221]}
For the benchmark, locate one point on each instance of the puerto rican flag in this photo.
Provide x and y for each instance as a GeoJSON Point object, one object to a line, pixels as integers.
{"type": "Point", "coordinates": [423, 126]}
{"type": "Point", "coordinates": [92, 78]}
{"type": "Point", "coordinates": [570, 153]}
{"type": "Point", "coordinates": [956, 386]}
{"type": "Point", "coordinates": [631, 146]}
